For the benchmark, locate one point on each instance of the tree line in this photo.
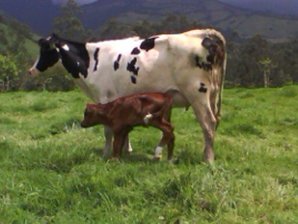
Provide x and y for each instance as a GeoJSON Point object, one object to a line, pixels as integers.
{"type": "Point", "coordinates": [253, 62]}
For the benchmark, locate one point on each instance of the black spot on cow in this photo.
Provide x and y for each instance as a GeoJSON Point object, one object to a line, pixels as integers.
{"type": "Point", "coordinates": [131, 66]}
{"type": "Point", "coordinates": [203, 88]}
{"type": "Point", "coordinates": [201, 64]}
{"type": "Point", "coordinates": [116, 63]}
{"type": "Point", "coordinates": [96, 58]}
{"type": "Point", "coordinates": [133, 79]}
{"type": "Point", "coordinates": [216, 49]}
{"type": "Point", "coordinates": [210, 44]}
{"type": "Point", "coordinates": [135, 51]}
{"type": "Point", "coordinates": [148, 44]}
{"type": "Point", "coordinates": [75, 59]}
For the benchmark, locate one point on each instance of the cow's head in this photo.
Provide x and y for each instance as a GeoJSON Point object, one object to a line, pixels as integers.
{"type": "Point", "coordinates": [74, 56]}
{"type": "Point", "coordinates": [48, 55]}
{"type": "Point", "coordinates": [94, 114]}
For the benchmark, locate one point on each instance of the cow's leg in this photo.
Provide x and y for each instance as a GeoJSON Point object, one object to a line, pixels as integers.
{"type": "Point", "coordinates": [208, 124]}
{"type": "Point", "coordinates": [108, 144]}
{"type": "Point", "coordinates": [199, 98]}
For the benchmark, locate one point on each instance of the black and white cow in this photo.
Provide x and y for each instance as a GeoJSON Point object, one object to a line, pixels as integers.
{"type": "Point", "coordinates": [191, 65]}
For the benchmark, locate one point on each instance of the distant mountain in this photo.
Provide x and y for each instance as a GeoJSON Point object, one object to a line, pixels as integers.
{"type": "Point", "coordinates": [80, 2]}
{"type": "Point", "coordinates": [275, 7]}
{"type": "Point", "coordinates": [228, 18]}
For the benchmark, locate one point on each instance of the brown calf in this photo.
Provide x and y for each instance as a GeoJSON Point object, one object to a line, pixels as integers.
{"type": "Point", "coordinates": [122, 114]}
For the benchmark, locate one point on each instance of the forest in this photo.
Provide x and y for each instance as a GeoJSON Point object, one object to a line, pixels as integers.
{"type": "Point", "coordinates": [252, 62]}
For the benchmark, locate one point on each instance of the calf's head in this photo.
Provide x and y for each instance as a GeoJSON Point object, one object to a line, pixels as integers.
{"type": "Point", "coordinates": [93, 115]}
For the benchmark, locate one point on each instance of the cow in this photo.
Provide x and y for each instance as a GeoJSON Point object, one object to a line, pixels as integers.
{"type": "Point", "coordinates": [124, 113]}
{"type": "Point", "coordinates": [191, 64]}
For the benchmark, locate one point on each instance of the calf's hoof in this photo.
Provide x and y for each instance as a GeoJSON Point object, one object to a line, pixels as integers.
{"type": "Point", "coordinates": [157, 158]}
{"type": "Point", "coordinates": [114, 159]}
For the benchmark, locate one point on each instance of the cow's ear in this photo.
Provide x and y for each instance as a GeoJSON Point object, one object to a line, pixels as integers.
{"type": "Point", "coordinates": [92, 107]}
{"type": "Point", "coordinates": [55, 40]}
{"type": "Point", "coordinates": [44, 43]}
{"type": "Point", "coordinates": [89, 106]}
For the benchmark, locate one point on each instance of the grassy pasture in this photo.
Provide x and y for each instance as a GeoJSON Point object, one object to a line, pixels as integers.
{"type": "Point", "coordinates": [51, 170]}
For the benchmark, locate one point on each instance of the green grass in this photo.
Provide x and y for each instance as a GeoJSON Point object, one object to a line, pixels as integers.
{"type": "Point", "coordinates": [51, 170]}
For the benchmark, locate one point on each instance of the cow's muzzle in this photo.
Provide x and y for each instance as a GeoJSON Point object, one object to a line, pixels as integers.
{"type": "Point", "coordinates": [33, 72]}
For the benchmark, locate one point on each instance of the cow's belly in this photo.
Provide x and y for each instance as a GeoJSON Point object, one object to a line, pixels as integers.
{"type": "Point", "coordinates": [107, 87]}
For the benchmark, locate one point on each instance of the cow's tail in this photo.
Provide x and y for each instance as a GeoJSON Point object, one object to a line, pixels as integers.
{"type": "Point", "coordinates": [222, 75]}
{"type": "Point", "coordinates": [218, 43]}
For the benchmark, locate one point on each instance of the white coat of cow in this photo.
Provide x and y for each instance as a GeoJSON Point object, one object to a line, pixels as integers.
{"type": "Point", "coordinates": [191, 65]}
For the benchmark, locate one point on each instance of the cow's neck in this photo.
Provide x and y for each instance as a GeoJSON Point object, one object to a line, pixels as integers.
{"type": "Point", "coordinates": [75, 58]}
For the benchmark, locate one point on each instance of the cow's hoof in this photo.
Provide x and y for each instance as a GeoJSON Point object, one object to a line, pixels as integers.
{"type": "Point", "coordinates": [209, 157]}
{"type": "Point", "coordinates": [209, 161]}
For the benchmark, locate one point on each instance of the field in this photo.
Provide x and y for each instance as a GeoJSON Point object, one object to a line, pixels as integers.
{"type": "Point", "coordinates": [51, 170]}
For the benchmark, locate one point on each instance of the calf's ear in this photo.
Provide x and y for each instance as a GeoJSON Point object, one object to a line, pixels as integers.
{"type": "Point", "coordinates": [89, 106]}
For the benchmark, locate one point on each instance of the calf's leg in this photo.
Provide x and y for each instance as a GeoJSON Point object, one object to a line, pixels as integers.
{"type": "Point", "coordinates": [167, 139]}
{"type": "Point", "coordinates": [127, 146]}
{"type": "Point", "coordinates": [108, 144]}
{"type": "Point", "coordinates": [119, 141]}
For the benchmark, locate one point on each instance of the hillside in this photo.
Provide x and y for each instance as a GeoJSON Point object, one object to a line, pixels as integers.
{"type": "Point", "coordinates": [276, 7]}
{"type": "Point", "coordinates": [226, 17]}
{"type": "Point", "coordinates": [207, 12]}
{"type": "Point", "coordinates": [13, 34]}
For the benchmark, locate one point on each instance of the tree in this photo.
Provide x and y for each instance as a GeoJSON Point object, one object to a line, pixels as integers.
{"type": "Point", "coordinates": [68, 23]}
{"type": "Point", "coordinates": [8, 72]}
{"type": "Point", "coordinates": [245, 62]}
{"type": "Point", "coordinates": [266, 65]}
{"type": "Point", "coordinates": [176, 23]}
